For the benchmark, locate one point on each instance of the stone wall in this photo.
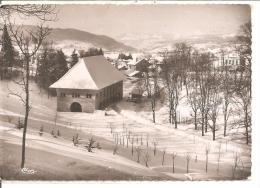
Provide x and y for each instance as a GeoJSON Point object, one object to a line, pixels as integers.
{"type": "Point", "coordinates": [64, 102]}
{"type": "Point", "coordinates": [99, 99]}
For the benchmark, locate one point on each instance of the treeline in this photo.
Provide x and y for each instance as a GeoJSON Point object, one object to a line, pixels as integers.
{"type": "Point", "coordinates": [51, 64]}
{"type": "Point", "coordinates": [124, 56]}
{"type": "Point", "coordinates": [91, 52]}
{"type": "Point", "coordinates": [215, 95]}
{"type": "Point", "coordinates": [9, 57]}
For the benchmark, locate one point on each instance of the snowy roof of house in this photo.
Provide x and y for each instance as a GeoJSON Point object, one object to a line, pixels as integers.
{"type": "Point", "coordinates": [93, 73]}
{"type": "Point", "coordinates": [121, 66]}
{"type": "Point", "coordinates": [136, 62]}
{"type": "Point", "coordinates": [133, 73]}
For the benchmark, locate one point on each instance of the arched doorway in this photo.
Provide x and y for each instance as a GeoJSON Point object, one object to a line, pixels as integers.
{"type": "Point", "coordinates": [75, 107]}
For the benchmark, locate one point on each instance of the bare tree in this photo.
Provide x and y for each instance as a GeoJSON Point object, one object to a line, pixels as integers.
{"type": "Point", "coordinates": [219, 155]}
{"type": "Point", "coordinates": [227, 91]}
{"type": "Point", "coordinates": [243, 101]}
{"type": "Point", "coordinates": [75, 139]}
{"type": "Point", "coordinates": [193, 99]}
{"type": "Point", "coordinates": [243, 83]}
{"type": "Point", "coordinates": [138, 152]}
{"type": "Point", "coordinates": [152, 88]}
{"type": "Point", "coordinates": [127, 139]}
{"type": "Point", "coordinates": [92, 144]}
{"type": "Point", "coordinates": [58, 133]}
{"type": "Point", "coordinates": [24, 43]}
{"type": "Point", "coordinates": [28, 44]}
{"type": "Point", "coordinates": [235, 165]}
{"type": "Point", "coordinates": [154, 147]}
{"type": "Point", "coordinates": [174, 155]}
{"type": "Point", "coordinates": [207, 150]}
{"type": "Point", "coordinates": [147, 140]}
{"type": "Point", "coordinates": [163, 156]}
{"type": "Point", "coordinates": [188, 157]}
{"type": "Point", "coordinates": [192, 89]}
{"type": "Point", "coordinates": [204, 64]}
{"type": "Point", "coordinates": [41, 131]}
{"type": "Point", "coordinates": [214, 102]}
{"type": "Point", "coordinates": [147, 158]}
{"type": "Point", "coordinates": [115, 150]}
{"type": "Point", "coordinates": [132, 143]}
{"type": "Point", "coordinates": [172, 80]}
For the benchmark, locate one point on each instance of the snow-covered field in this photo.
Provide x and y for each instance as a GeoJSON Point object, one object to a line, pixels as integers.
{"type": "Point", "coordinates": [124, 120]}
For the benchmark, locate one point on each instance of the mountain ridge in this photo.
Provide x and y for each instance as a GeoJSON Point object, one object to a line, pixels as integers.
{"type": "Point", "coordinates": [85, 38]}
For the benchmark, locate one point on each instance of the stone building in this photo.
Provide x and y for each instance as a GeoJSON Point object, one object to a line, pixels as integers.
{"type": "Point", "coordinates": [93, 83]}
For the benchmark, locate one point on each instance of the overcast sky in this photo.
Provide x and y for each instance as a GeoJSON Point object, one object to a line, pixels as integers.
{"type": "Point", "coordinates": [179, 20]}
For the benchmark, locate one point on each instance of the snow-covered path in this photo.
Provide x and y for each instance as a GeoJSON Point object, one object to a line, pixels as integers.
{"type": "Point", "coordinates": [65, 148]}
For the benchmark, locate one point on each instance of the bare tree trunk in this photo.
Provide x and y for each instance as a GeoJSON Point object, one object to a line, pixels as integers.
{"type": "Point", "coordinates": [246, 125]}
{"type": "Point", "coordinates": [175, 119]}
{"type": "Point", "coordinates": [27, 109]}
{"type": "Point", "coordinates": [202, 122]}
{"type": "Point", "coordinates": [195, 120]}
{"type": "Point", "coordinates": [225, 121]}
{"type": "Point", "coordinates": [170, 115]}
{"type": "Point", "coordinates": [214, 130]}
{"type": "Point", "coordinates": [173, 166]}
{"type": "Point", "coordinates": [206, 121]}
{"type": "Point", "coordinates": [153, 115]}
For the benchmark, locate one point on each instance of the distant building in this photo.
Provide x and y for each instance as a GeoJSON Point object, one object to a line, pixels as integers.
{"type": "Point", "coordinates": [140, 65]}
{"type": "Point", "coordinates": [93, 83]}
{"type": "Point", "coordinates": [231, 60]}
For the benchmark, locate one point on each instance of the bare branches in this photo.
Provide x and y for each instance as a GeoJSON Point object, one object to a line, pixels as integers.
{"type": "Point", "coordinates": [30, 41]}
{"type": "Point", "coordinates": [42, 12]}
{"type": "Point", "coordinates": [188, 158]}
{"type": "Point", "coordinates": [152, 87]}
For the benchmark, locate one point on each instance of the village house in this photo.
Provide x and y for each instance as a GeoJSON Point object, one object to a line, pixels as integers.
{"type": "Point", "coordinates": [231, 60]}
{"type": "Point", "coordinates": [136, 68]}
{"type": "Point", "coordinates": [140, 65]}
{"type": "Point", "coordinates": [93, 83]}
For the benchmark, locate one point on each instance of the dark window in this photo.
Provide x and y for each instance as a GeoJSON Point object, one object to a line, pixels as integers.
{"type": "Point", "coordinates": [62, 94]}
{"type": "Point", "coordinates": [88, 96]}
{"type": "Point", "coordinates": [75, 95]}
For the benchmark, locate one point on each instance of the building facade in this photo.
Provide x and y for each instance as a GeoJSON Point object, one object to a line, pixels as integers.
{"type": "Point", "coordinates": [93, 83]}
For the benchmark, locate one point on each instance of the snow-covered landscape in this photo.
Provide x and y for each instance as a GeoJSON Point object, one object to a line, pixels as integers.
{"type": "Point", "coordinates": [88, 101]}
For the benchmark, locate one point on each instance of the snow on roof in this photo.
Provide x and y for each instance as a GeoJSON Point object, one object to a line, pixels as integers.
{"type": "Point", "coordinates": [133, 73]}
{"type": "Point", "coordinates": [93, 72]}
{"type": "Point", "coordinates": [121, 66]}
{"type": "Point", "coordinates": [136, 62]}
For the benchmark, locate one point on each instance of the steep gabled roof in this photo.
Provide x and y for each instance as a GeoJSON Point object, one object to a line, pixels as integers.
{"type": "Point", "coordinates": [137, 62]}
{"type": "Point", "coordinates": [93, 72]}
